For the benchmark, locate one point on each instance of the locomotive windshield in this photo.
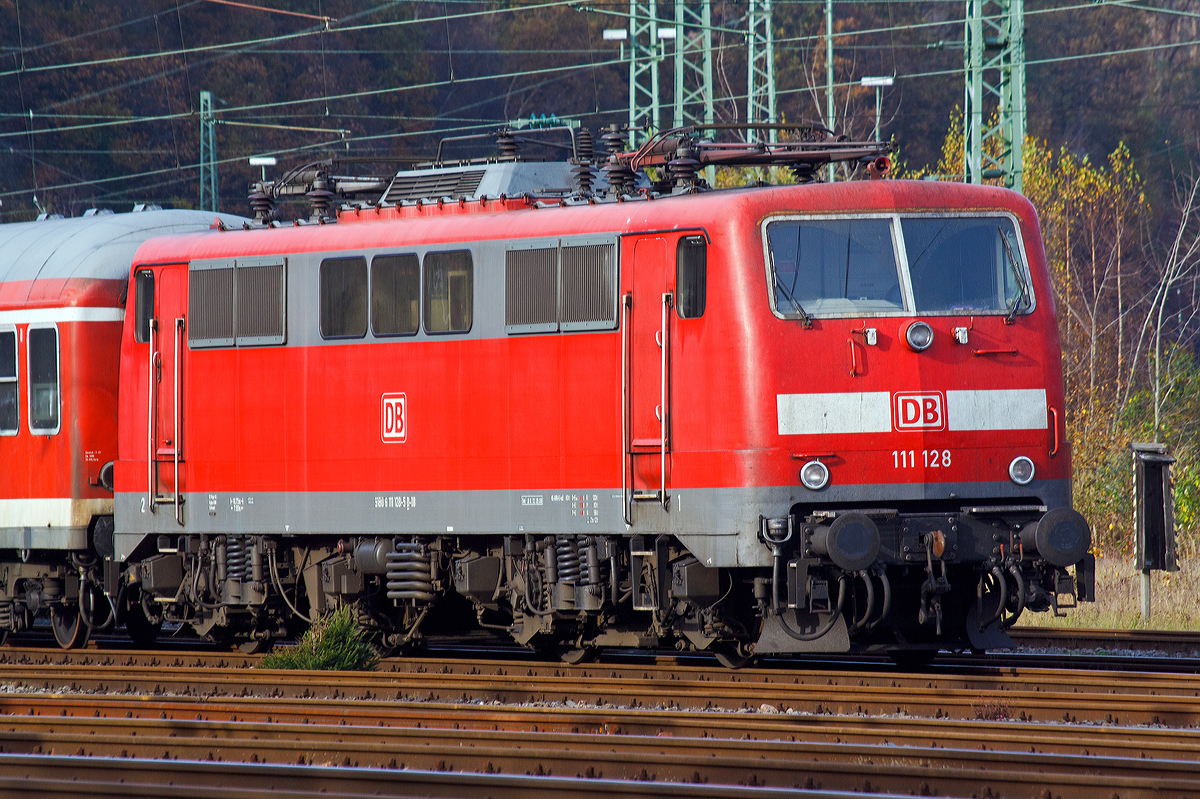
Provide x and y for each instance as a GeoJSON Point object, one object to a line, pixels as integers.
{"type": "Point", "coordinates": [837, 266]}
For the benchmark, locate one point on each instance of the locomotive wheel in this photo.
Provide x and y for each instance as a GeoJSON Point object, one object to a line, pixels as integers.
{"type": "Point", "coordinates": [3, 636]}
{"type": "Point", "coordinates": [69, 629]}
{"type": "Point", "coordinates": [730, 655]}
{"type": "Point", "coordinates": [573, 656]}
{"type": "Point", "coordinates": [138, 626]}
{"type": "Point", "coordinates": [256, 646]}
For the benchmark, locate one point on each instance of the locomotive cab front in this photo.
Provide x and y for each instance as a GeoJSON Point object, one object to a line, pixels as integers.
{"type": "Point", "coordinates": [919, 405]}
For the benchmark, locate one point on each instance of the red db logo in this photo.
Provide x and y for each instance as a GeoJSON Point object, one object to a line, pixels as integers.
{"type": "Point", "coordinates": [919, 411]}
{"type": "Point", "coordinates": [395, 418]}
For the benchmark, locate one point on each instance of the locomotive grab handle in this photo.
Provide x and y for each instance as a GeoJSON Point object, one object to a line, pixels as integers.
{"type": "Point", "coordinates": [151, 385]}
{"type": "Point", "coordinates": [664, 418]}
{"type": "Point", "coordinates": [179, 323]}
{"type": "Point", "coordinates": [626, 453]}
{"type": "Point", "coordinates": [1054, 431]}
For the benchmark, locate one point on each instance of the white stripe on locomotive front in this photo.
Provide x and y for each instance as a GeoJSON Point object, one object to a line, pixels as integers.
{"type": "Point", "coordinates": [871, 411]}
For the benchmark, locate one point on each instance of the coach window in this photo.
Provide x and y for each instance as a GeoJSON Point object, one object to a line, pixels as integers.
{"type": "Point", "coordinates": [448, 292]}
{"type": "Point", "coordinates": [143, 305]}
{"type": "Point", "coordinates": [344, 298]}
{"type": "Point", "coordinates": [9, 416]}
{"type": "Point", "coordinates": [43, 380]}
{"type": "Point", "coordinates": [395, 295]}
{"type": "Point", "coordinates": [691, 276]}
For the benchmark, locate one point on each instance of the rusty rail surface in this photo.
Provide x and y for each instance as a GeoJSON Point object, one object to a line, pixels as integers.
{"type": "Point", "coordinates": [956, 762]}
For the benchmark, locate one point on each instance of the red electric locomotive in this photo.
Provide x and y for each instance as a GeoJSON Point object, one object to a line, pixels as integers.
{"type": "Point", "coordinates": [63, 284]}
{"type": "Point", "coordinates": [801, 418]}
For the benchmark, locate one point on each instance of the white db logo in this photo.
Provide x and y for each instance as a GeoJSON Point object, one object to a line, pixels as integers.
{"type": "Point", "coordinates": [920, 411]}
{"type": "Point", "coordinates": [395, 418]}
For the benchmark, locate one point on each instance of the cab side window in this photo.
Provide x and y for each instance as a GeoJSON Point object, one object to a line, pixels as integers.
{"type": "Point", "coordinates": [43, 380]}
{"type": "Point", "coordinates": [143, 305]}
{"type": "Point", "coordinates": [9, 390]}
{"type": "Point", "coordinates": [691, 277]}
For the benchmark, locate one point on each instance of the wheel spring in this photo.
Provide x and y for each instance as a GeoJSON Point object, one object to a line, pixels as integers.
{"type": "Point", "coordinates": [236, 557]}
{"type": "Point", "coordinates": [408, 573]}
{"type": "Point", "coordinates": [6, 616]}
{"type": "Point", "coordinates": [569, 566]}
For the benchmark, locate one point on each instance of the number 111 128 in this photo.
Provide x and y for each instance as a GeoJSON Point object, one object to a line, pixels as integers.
{"type": "Point", "coordinates": [933, 458]}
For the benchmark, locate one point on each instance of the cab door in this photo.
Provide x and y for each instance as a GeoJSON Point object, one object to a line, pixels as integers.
{"type": "Point", "coordinates": [168, 346]}
{"type": "Point", "coordinates": [646, 328]}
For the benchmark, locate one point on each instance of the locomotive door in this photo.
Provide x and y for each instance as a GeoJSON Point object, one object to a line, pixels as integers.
{"type": "Point", "coordinates": [167, 348]}
{"type": "Point", "coordinates": [647, 311]}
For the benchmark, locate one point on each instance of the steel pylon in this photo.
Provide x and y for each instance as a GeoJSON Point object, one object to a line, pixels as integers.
{"type": "Point", "coordinates": [760, 61]}
{"type": "Point", "coordinates": [994, 51]}
{"type": "Point", "coordinates": [209, 198]}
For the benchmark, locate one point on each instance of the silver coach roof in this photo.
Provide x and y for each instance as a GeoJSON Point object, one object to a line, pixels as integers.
{"type": "Point", "coordinates": [99, 247]}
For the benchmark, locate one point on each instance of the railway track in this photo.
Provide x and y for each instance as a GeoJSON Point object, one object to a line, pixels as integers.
{"type": "Point", "coordinates": [619, 726]}
{"type": "Point", "coordinates": [1026, 694]}
{"type": "Point", "coordinates": [630, 746]}
{"type": "Point", "coordinates": [1171, 642]}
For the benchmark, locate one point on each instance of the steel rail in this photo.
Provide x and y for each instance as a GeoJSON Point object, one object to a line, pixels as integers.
{"type": "Point", "coordinates": [1029, 695]}
{"type": "Point", "coordinates": [313, 719]}
{"type": "Point", "coordinates": [953, 770]}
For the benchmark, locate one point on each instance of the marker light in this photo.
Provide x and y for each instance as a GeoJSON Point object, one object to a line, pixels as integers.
{"type": "Point", "coordinates": [814, 475]}
{"type": "Point", "coordinates": [1020, 471]}
{"type": "Point", "coordinates": [918, 336]}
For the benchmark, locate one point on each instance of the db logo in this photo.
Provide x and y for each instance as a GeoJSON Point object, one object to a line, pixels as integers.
{"type": "Point", "coordinates": [395, 418]}
{"type": "Point", "coordinates": [919, 411]}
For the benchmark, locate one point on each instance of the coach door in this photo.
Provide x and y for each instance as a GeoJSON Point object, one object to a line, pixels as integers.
{"type": "Point", "coordinates": [647, 350]}
{"type": "Point", "coordinates": [167, 347]}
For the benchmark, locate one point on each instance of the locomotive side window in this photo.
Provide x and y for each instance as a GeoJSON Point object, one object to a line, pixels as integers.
{"type": "Point", "coordinates": [449, 290]}
{"type": "Point", "coordinates": [691, 276]}
{"type": "Point", "coordinates": [43, 380]}
{"type": "Point", "coordinates": [9, 415]}
{"type": "Point", "coordinates": [395, 295]}
{"type": "Point", "coordinates": [344, 298]}
{"type": "Point", "coordinates": [834, 266]}
{"type": "Point", "coordinates": [531, 290]}
{"type": "Point", "coordinates": [965, 264]}
{"type": "Point", "coordinates": [144, 305]}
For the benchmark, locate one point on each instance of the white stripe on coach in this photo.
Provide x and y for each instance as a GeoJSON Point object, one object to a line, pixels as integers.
{"type": "Point", "coordinates": [997, 409]}
{"type": "Point", "coordinates": [823, 414]}
{"type": "Point", "coordinates": [68, 314]}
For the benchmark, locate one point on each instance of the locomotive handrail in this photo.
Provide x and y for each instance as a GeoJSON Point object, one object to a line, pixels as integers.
{"type": "Point", "coordinates": [179, 323]}
{"type": "Point", "coordinates": [151, 417]}
{"type": "Point", "coordinates": [626, 452]}
{"type": "Point", "coordinates": [1054, 431]}
{"type": "Point", "coordinates": [664, 416]}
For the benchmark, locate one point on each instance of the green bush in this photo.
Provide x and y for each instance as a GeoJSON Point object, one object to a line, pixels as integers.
{"type": "Point", "coordinates": [333, 643]}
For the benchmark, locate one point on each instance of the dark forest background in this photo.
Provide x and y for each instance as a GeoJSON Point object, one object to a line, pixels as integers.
{"type": "Point", "coordinates": [99, 102]}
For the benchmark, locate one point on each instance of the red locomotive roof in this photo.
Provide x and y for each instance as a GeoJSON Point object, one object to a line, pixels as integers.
{"type": "Point", "coordinates": [515, 218]}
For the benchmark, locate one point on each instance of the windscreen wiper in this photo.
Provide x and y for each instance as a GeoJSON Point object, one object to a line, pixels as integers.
{"type": "Point", "coordinates": [1023, 300]}
{"type": "Point", "coordinates": [788, 294]}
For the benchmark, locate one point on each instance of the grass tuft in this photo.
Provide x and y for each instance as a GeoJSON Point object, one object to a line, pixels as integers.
{"type": "Point", "coordinates": [333, 643]}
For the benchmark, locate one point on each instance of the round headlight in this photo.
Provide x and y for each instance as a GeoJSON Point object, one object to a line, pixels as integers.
{"type": "Point", "coordinates": [918, 336]}
{"type": "Point", "coordinates": [814, 475]}
{"type": "Point", "coordinates": [1020, 471]}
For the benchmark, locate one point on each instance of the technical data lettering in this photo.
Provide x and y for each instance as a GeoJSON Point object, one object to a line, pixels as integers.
{"type": "Point", "coordinates": [585, 506]}
{"type": "Point", "coordinates": [399, 501]}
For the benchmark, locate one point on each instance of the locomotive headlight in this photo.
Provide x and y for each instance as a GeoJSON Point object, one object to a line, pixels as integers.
{"type": "Point", "coordinates": [1020, 471]}
{"type": "Point", "coordinates": [918, 336]}
{"type": "Point", "coordinates": [814, 475]}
